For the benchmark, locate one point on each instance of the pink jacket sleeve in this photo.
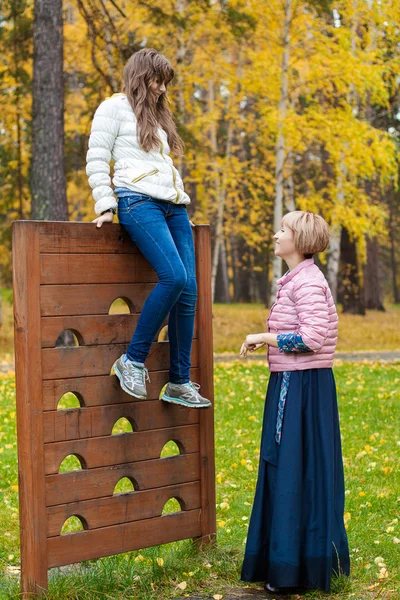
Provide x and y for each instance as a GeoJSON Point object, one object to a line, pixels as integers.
{"type": "Point", "coordinates": [312, 312]}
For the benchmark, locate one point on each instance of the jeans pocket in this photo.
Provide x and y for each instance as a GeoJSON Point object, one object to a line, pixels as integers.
{"type": "Point", "coordinates": [133, 201]}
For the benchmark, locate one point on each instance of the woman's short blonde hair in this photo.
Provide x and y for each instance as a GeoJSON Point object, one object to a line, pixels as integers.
{"type": "Point", "coordinates": [311, 231]}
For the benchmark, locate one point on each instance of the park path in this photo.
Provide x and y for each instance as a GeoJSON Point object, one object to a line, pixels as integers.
{"type": "Point", "coordinates": [389, 356]}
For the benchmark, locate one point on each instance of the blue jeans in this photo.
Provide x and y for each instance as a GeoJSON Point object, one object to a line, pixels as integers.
{"type": "Point", "coordinates": [162, 232]}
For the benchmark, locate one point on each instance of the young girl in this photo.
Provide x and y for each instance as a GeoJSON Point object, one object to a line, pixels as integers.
{"type": "Point", "coordinates": [296, 535]}
{"type": "Point", "coordinates": [136, 130]}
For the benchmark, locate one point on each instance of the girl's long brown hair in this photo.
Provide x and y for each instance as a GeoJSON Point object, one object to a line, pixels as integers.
{"type": "Point", "coordinates": [142, 68]}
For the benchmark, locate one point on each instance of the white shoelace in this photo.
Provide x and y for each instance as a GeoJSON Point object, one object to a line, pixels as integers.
{"type": "Point", "coordinates": [193, 392]}
{"type": "Point", "coordinates": [137, 374]}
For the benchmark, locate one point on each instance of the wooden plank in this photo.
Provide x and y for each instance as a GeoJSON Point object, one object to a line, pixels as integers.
{"type": "Point", "coordinates": [86, 545]}
{"type": "Point", "coordinates": [78, 423]}
{"type": "Point", "coordinates": [91, 299]}
{"type": "Point", "coordinates": [94, 329]}
{"type": "Point", "coordinates": [62, 363]}
{"type": "Point", "coordinates": [29, 406]}
{"type": "Point", "coordinates": [101, 390]}
{"type": "Point", "coordinates": [122, 448]}
{"type": "Point", "coordinates": [205, 353]}
{"type": "Point", "coordinates": [87, 484]}
{"type": "Point", "coordinates": [69, 237]}
{"type": "Point", "coordinates": [123, 508]}
{"type": "Point", "coordinates": [95, 268]}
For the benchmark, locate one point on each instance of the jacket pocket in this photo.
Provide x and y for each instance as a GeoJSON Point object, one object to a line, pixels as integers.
{"type": "Point", "coordinates": [153, 172]}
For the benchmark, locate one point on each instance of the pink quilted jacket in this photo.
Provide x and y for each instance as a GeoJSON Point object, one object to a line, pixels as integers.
{"type": "Point", "coordinates": [304, 305]}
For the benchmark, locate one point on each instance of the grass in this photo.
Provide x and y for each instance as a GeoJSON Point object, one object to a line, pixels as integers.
{"type": "Point", "coordinates": [7, 327]}
{"type": "Point", "coordinates": [369, 401]}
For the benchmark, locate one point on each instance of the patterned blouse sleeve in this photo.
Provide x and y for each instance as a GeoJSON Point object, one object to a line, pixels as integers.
{"type": "Point", "coordinates": [291, 342]}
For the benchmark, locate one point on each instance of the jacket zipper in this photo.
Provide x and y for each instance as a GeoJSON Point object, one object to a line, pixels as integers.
{"type": "Point", "coordinates": [178, 194]}
{"type": "Point", "coordinates": [144, 175]}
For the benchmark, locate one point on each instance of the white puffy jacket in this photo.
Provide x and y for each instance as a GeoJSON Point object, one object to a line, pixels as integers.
{"type": "Point", "coordinates": [114, 137]}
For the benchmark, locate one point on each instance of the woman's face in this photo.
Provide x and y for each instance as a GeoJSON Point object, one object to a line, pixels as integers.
{"type": "Point", "coordinates": [284, 242]}
{"type": "Point", "coordinates": [158, 87]}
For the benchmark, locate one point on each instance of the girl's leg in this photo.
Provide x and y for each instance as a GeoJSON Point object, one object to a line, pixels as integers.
{"type": "Point", "coordinates": [145, 221]}
{"type": "Point", "coordinates": [181, 318]}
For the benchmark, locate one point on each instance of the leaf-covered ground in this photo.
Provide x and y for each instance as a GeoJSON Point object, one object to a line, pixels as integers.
{"type": "Point", "coordinates": [369, 400]}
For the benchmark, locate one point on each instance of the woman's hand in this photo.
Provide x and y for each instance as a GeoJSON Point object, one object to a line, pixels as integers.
{"type": "Point", "coordinates": [108, 217]}
{"type": "Point", "coordinates": [252, 342]}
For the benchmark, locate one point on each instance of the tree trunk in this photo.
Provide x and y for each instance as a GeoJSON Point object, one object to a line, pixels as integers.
{"type": "Point", "coordinates": [220, 188]}
{"type": "Point", "coordinates": [222, 282]}
{"type": "Point", "coordinates": [290, 203]}
{"type": "Point", "coordinates": [333, 261]}
{"type": "Point", "coordinates": [280, 144]}
{"type": "Point", "coordinates": [350, 289]}
{"type": "Point", "coordinates": [234, 263]}
{"type": "Point", "coordinates": [242, 280]}
{"type": "Point", "coordinates": [48, 183]}
{"type": "Point", "coordinates": [17, 96]}
{"type": "Point", "coordinates": [393, 238]}
{"type": "Point", "coordinates": [265, 288]}
{"type": "Point", "coordinates": [336, 236]}
{"type": "Point", "coordinates": [181, 50]}
{"type": "Point", "coordinates": [373, 290]}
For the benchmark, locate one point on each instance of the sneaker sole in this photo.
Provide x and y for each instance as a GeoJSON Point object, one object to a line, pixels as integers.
{"type": "Point", "coordinates": [183, 402]}
{"type": "Point", "coordinates": [121, 381]}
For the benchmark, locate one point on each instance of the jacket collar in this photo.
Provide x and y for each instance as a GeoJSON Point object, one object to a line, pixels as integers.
{"type": "Point", "coordinates": [290, 274]}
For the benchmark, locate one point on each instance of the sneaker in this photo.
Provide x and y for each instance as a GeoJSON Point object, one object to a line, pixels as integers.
{"type": "Point", "coordinates": [131, 377]}
{"type": "Point", "coordinates": [270, 588]}
{"type": "Point", "coordinates": [186, 394]}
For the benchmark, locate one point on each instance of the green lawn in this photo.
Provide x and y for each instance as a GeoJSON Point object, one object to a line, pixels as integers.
{"type": "Point", "coordinates": [370, 414]}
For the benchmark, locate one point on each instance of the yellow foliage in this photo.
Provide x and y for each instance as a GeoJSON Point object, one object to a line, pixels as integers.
{"type": "Point", "coordinates": [228, 60]}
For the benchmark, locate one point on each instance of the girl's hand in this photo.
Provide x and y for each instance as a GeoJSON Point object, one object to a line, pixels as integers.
{"type": "Point", "coordinates": [252, 342]}
{"type": "Point", "coordinates": [192, 224]}
{"type": "Point", "coordinates": [108, 217]}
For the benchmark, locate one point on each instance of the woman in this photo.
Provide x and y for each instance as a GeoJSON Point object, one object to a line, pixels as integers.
{"type": "Point", "coordinates": [136, 130]}
{"type": "Point", "coordinates": [297, 537]}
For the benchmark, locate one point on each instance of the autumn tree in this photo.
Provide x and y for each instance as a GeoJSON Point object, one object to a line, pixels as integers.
{"type": "Point", "coordinates": [48, 182]}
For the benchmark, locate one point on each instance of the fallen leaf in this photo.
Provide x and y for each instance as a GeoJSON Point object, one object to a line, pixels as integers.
{"type": "Point", "coordinates": [182, 585]}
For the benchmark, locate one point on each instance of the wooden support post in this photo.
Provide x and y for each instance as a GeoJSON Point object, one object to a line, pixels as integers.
{"type": "Point", "coordinates": [28, 371]}
{"type": "Point", "coordinates": [205, 353]}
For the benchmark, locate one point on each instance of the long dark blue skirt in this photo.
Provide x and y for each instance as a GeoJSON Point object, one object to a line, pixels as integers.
{"type": "Point", "coordinates": [296, 535]}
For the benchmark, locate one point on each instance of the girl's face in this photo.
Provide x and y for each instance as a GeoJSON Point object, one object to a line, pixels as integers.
{"type": "Point", "coordinates": [284, 242]}
{"type": "Point", "coordinates": [158, 87]}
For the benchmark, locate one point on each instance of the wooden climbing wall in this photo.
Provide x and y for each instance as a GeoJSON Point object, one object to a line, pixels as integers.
{"type": "Point", "coordinates": [66, 276]}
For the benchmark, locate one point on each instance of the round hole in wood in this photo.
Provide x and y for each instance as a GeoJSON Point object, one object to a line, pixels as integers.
{"type": "Point", "coordinates": [126, 485]}
{"type": "Point", "coordinates": [171, 448]}
{"type": "Point", "coordinates": [173, 505]}
{"type": "Point", "coordinates": [72, 462]}
{"type": "Point", "coordinates": [163, 334]}
{"type": "Point", "coordinates": [124, 425]}
{"type": "Point", "coordinates": [69, 338]}
{"type": "Point", "coordinates": [121, 306]}
{"type": "Point", "coordinates": [70, 400]}
{"type": "Point", "coordinates": [73, 524]}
